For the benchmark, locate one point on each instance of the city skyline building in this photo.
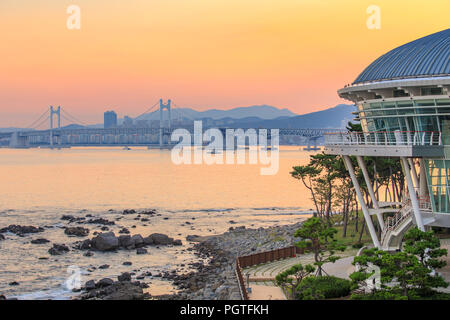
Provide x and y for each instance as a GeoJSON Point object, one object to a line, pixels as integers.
{"type": "Point", "coordinates": [110, 119]}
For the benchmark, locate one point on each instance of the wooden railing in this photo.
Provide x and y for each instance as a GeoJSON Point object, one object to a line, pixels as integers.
{"type": "Point", "coordinates": [263, 257]}
{"type": "Point", "coordinates": [242, 287]}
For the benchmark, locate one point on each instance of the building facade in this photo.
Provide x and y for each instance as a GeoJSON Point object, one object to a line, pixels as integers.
{"type": "Point", "coordinates": [109, 119]}
{"type": "Point", "coordinates": [403, 105]}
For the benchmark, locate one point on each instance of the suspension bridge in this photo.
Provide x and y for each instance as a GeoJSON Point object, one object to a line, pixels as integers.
{"type": "Point", "coordinates": [44, 133]}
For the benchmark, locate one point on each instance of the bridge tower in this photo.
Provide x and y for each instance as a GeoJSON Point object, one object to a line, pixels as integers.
{"type": "Point", "coordinates": [58, 113]}
{"type": "Point", "coordinates": [163, 107]}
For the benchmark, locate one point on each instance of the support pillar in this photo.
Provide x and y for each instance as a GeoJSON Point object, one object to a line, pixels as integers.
{"type": "Point", "coordinates": [351, 170]}
{"type": "Point", "coordinates": [363, 167]}
{"type": "Point", "coordinates": [423, 184]}
{"type": "Point", "coordinates": [414, 173]}
{"type": "Point", "coordinates": [412, 194]}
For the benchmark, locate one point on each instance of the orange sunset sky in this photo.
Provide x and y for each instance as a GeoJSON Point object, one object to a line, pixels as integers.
{"type": "Point", "coordinates": [200, 53]}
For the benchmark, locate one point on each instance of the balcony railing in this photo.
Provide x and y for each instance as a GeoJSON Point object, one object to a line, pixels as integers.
{"type": "Point", "coordinates": [387, 138]}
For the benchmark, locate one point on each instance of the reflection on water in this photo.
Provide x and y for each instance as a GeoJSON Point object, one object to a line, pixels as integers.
{"type": "Point", "coordinates": [39, 186]}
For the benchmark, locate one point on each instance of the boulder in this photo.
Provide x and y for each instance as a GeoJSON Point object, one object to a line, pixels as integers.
{"type": "Point", "coordinates": [85, 245]}
{"type": "Point", "coordinates": [39, 241]}
{"type": "Point", "coordinates": [148, 241]}
{"type": "Point", "coordinates": [76, 231]}
{"type": "Point", "coordinates": [138, 240]}
{"type": "Point", "coordinates": [177, 242]}
{"type": "Point", "coordinates": [2, 237]}
{"type": "Point", "coordinates": [125, 241]}
{"type": "Point", "coordinates": [105, 242]}
{"type": "Point", "coordinates": [89, 285]}
{"type": "Point", "coordinates": [161, 239]}
{"type": "Point", "coordinates": [141, 251]}
{"type": "Point", "coordinates": [126, 276]}
{"type": "Point", "coordinates": [58, 249]}
{"type": "Point", "coordinates": [104, 282]}
{"type": "Point", "coordinates": [21, 230]}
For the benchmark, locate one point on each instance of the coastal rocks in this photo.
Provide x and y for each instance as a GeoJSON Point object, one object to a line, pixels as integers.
{"type": "Point", "coordinates": [105, 242]}
{"type": "Point", "coordinates": [2, 237]}
{"type": "Point", "coordinates": [141, 251]}
{"type": "Point", "coordinates": [160, 239]}
{"type": "Point", "coordinates": [21, 230]}
{"type": "Point", "coordinates": [76, 231]}
{"type": "Point", "coordinates": [104, 283]}
{"type": "Point", "coordinates": [138, 240]}
{"type": "Point", "coordinates": [126, 241]}
{"type": "Point", "coordinates": [126, 276]}
{"type": "Point", "coordinates": [101, 221]}
{"type": "Point", "coordinates": [39, 241]}
{"type": "Point", "coordinates": [89, 285]}
{"type": "Point", "coordinates": [58, 249]}
{"type": "Point", "coordinates": [129, 211]}
{"type": "Point", "coordinates": [71, 218]}
{"type": "Point", "coordinates": [107, 289]}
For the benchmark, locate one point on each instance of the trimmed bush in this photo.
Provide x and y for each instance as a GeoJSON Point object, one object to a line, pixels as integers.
{"type": "Point", "coordinates": [326, 287]}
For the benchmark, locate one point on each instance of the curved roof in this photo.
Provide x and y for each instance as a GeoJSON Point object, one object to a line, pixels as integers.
{"type": "Point", "coordinates": [425, 57]}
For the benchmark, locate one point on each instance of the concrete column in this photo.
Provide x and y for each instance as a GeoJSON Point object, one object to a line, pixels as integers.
{"type": "Point", "coordinates": [362, 164]}
{"type": "Point", "coordinates": [423, 184]}
{"type": "Point", "coordinates": [364, 208]}
{"type": "Point", "coordinates": [412, 194]}
{"type": "Point", "coordinates": [414, 173]}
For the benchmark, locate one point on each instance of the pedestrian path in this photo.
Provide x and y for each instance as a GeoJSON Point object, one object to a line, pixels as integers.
{"type": "Point", "coordinates": [267, 272]}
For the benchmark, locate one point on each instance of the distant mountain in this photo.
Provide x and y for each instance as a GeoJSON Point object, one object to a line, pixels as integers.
{"type": "Point", "coordinates": [335, 117]}
{"type": "Point", "coordinates": [250, 117]}
{"type": "Point", "coordinates": [262, 112]}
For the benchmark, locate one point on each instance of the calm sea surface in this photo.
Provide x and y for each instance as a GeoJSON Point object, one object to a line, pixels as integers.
{"type": "Point", "coordinates": [38, 186]}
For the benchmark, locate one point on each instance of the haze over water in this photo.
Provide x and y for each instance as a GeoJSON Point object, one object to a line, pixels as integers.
{"type": "Point", "coordinates": [38, 186]}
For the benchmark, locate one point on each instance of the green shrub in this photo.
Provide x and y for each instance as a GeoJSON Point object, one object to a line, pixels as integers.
{"type": "Point", "coordinates": [357, 245]}
{"type": "Point", "coordinates": [326, 287]}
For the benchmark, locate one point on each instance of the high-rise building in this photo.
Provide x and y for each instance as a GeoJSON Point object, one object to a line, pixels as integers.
{"type": "Point", "coordinates": [403, 101]}
{"type": "Point", "coordinates": [109, 119]}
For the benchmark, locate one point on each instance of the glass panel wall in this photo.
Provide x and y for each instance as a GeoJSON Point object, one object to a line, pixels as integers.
{"type": "Point", "coordinates": [438, 172]}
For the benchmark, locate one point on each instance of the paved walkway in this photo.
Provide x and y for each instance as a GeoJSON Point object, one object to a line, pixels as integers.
{"type": "Point", "coordinates": [263, 292]}
{"type": "Point", "coordinates": [267, 272]}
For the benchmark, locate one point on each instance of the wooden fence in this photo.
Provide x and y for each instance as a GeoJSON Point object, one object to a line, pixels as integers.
{"type": "Point", "coordinates": [263, 257]}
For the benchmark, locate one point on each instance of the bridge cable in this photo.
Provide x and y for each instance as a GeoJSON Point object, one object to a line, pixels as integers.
{"type": "Point", "coordinates": [32, 125]}
{"type": "Point", "coordinates": [150, 109]}
{"type": "Point", "coordinates": [74, 119]}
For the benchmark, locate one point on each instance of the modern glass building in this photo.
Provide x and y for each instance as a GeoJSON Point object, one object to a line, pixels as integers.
{"type": "Point", "coordinates": [403, 104]}
{"type": "Point", "coordinates": [109, 119]}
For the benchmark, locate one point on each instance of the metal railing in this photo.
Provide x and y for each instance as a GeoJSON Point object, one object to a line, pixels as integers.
{"type": "Point", "coordinates": [387, 138]}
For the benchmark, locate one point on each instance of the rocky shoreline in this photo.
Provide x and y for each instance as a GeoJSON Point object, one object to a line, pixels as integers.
{"type": "Point", "coordinates": [216, 279]}
{"type": "Point", "coordinates": [211, 277]}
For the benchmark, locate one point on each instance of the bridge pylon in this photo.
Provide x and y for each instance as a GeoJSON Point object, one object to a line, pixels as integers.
{"type": "Point", "coordinates": [58, 113]}
{"type": "Point", "coordinates": [163, 107]}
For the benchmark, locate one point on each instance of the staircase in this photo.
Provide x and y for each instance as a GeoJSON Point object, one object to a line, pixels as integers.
{"type": "Point", "coordinates": [396, 226]}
